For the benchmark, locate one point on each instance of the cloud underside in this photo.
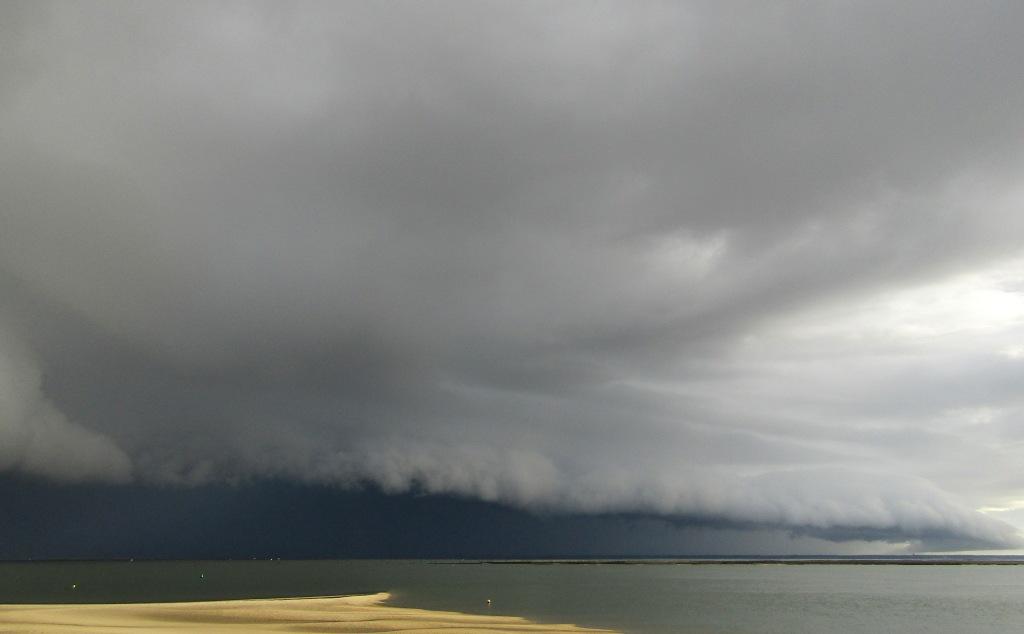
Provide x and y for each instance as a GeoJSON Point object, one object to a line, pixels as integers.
{"type": "Point", "coordinates": [36, 438]}
{"type": "Point", "coordinates": [757, 268]}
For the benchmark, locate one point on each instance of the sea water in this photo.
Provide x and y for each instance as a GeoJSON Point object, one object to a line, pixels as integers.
{"type": "Point", "coordinates": [640, 597]}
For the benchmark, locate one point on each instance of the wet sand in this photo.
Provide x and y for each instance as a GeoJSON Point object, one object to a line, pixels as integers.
{"type": "Point", "coordinates": [362, 613]}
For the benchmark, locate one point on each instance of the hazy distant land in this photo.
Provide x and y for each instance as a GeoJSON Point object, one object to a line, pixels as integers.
{"type": "Point", "coordinates": [939, 560]}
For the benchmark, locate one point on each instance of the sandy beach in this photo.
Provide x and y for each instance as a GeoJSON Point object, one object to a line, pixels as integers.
{"type": "Point", "coordinates": [362, 613]}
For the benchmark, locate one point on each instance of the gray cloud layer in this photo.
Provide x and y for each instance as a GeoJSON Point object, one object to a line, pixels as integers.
{"type": "Point", "coordinates": [744, 262]}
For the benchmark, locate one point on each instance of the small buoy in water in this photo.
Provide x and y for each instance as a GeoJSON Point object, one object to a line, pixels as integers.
{"type": "Point", "coordinates": [489, 602]}
{"type": "Point", "coordinates": [74, 586]}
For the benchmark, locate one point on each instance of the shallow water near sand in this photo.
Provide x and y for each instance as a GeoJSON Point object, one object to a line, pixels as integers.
{"type": "Point", "coordinates": [637, 597]}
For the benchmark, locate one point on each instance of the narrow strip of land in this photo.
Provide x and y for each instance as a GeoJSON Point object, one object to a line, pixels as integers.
{"type": "Point", "coordinates": [778, 561]}
{"type": "Point", "coordinates": [364, 613]}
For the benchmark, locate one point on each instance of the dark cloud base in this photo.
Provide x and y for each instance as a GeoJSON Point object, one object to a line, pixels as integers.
{"type": "Point", "coordinates": [269, 519]}
{"type": "Point", "coordinates": [279, 519]}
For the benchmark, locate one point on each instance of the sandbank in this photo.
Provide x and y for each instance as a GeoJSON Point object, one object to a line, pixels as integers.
{"type": "Point", "coordinates": [361, 613]}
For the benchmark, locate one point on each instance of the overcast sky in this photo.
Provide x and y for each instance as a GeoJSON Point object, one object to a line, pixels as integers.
{"type": "Point", "coordinates": [741, 264]}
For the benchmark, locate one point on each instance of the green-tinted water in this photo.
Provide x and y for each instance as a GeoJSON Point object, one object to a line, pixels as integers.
{"type": "Point", "coordinates": [635, 598]}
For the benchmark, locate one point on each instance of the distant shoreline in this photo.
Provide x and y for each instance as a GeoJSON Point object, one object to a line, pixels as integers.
{"type": "Point", "coordinates": [824, 561]}
{"type": "Point", "coordinates": [887, 560]}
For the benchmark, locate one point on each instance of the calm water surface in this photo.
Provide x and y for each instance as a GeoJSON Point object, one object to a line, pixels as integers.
{"type": "Point", "coordinates": [735, 598]}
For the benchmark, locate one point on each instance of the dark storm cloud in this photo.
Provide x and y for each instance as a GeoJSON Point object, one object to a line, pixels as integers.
{"type": "Point", "coordinates": [583, 257]}
{"type": "Point", "coordinates": [318, 521]}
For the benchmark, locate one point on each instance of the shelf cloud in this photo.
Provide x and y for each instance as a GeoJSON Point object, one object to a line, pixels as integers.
{"type": "Point", "coordinates": [756, 265]}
